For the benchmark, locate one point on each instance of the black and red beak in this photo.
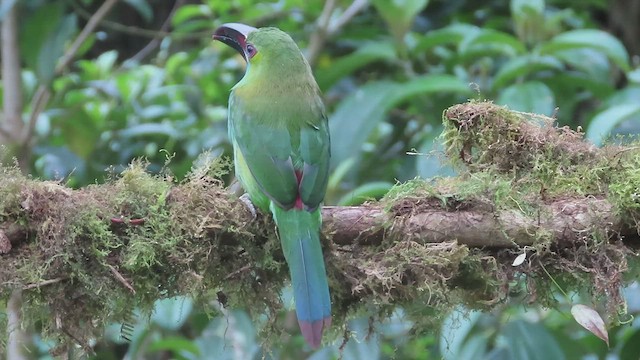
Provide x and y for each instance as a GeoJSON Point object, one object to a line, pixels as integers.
{"type": "Point", "coordinates": [235, 35]}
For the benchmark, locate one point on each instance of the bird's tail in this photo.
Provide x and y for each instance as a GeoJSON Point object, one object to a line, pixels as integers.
{"type": "Point", "coordinates": [299, 234]}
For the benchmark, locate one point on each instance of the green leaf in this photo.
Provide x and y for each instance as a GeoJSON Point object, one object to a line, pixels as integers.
{"type": "Point", "coordinates": [522, 66]}
{"type": "Point", "coordinates": [490, 43]}
{"type": "Point", "coordinates": [589, 38]}
{"type": "Point", "coordinates": [53, 48]}
{"type": "Point", "coordinates": [604, 122]}
{"type": "Point", "coordinates": [452, 34]}
{"type": "Point", "coordinates": [529, 341]}
{"type": "Point", "coordinates": [526, 7]}
{"type": "Point", "coordinates": [528, 19]}
{"type": "Point", "coordinates": [81, 134]}
{"type": "Point", "coordinates": [105, 61]}
{"type": "Point", "coordinates": [591, 62]}
{"type": "Point", "coordinates": [532, 96]}
{"type": "Point", "coordinates": [363, 344]}
{"type": "Point", "coordinates": [399, 14]}
{"type": "Point", "coordinates": [171, 313]}
{"type": "Point", "coordinates": [36, 28]}
{"type": "Point", "coordinates": [360, 113]}
{"type": "Point", "coordinates": [634, 76]}
{"type": "Point", "coordinates": [574, 82]}
{"type": "Point", "coordinates": [429, 162]}
{"type": "Point", "coordinates": [148, 129]}
{"type": "Point", "coordinates": [143, 8]}
{"type": "Point", "coordinates": [631, 347]}
{"type": "Point", "coordinates": [456, 338]}
{"type": "Point", "coordinates": [188, 12]}
{"type": "Point", "coordinates": [175, 344]}
{"type": "Point", "coordinates": [221, 341]}
{"type": "Point", "coordinates": [370, 52]}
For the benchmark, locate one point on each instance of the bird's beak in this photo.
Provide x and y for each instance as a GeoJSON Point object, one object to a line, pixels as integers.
{"type": "Point", "coordinates": [234, 35]}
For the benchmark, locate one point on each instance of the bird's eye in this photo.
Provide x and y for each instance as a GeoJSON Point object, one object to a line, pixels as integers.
{"type": "Point", "coordinates": [251, 50]}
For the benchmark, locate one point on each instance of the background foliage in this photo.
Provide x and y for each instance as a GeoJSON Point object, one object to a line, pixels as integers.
{"type": "Point", "coordinates": [149, 82]}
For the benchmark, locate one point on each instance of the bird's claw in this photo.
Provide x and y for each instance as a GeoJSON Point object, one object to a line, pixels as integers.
{"type": "Point", "coordinates": [246, 200]}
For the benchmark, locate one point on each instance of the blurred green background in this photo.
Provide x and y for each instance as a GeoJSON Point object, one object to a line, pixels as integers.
{"type": "Point", "coordinates": [148, 82]}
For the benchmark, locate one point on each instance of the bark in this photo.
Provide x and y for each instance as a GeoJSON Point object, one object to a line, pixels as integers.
{"type": "Point", "coordinates": [568, 220]}
{"type": "Point", "coordinates": [12, 124]}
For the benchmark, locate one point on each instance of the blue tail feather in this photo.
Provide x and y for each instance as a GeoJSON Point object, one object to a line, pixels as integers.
{"type": "Point", "coordinates": [299, 234]}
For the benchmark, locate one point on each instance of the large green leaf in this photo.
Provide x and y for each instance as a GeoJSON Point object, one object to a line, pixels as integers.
{"type": "Point", "coordinates": [529, 20]}
{"type": "Point", "coordinates": [526, 7]}
{"type": "Point", "coordinates": [143, 8]}
{"type": "Point", "coordinates": [604, 122]}
{"type": "Point", "coordinates": [589, 38]}
{"type": "Point", "coordinates": [452, 34]}
{"type": "Point", "coordinates": [172, 313]}
{"type": "Point", "coordinates": [188, 12]}
{"type": "Point", "coordinates": [523, 66]}
{"type": "Point", "coordinates": [532, 96]}
{"type": "Point", "coordinates": [429, 159]}
{"type": "Point", "coordinates": [592, 62]}
{"type": "Point", "coordinates": [530, 341]}
{"type": "Point", "coordinates": [371, 52]}
{"type": "Point", "coordinates": [360, 113]}
{"type": "Point", "coordinates": [631, 347]}
{"type": "Point", "coordinates": [80, 130]}
{"type": "Point", "coordinates": [36, 28]}
{"type": "Point", "coordinates": [456, 338]}
{"type": "Point", "coordinates": [634, 76]}
{"type": "Point", "coordinates": [490, 43]}
{"type": "Point", "coordinates": [177, 345]}
{"type": "Point", "coordinates": [53, 48]}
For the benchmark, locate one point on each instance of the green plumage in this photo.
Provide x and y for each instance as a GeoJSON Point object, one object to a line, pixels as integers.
{"type": "Point", "coordinates": [279, 132]}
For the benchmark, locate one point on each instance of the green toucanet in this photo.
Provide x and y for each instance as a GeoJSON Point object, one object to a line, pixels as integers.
{"type": "Point", "coordinates": [280, 137]}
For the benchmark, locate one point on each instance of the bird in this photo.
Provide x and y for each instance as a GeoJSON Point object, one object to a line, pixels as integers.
{"type": "Point", "coordinates": [279, 131]}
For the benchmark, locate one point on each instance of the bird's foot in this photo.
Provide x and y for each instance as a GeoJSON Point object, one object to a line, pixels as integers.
{"type": "Point", "coordinates": [246, 200]}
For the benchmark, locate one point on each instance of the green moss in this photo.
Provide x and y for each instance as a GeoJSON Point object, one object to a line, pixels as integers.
{"type": "Point", "coordinates": [91, 255]}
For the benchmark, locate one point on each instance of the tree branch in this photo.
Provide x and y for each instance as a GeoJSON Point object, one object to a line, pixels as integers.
{"type": "Point", "coordinates": [11, 126]}
{"type": "Point", "coordinates": [568, 220]}
{"type": "Point", "coordinates": [326, 28]}
{"type": "Point", "coordinates": [528, 188]}
{"type": "Point", "coordinates": [145, 51]}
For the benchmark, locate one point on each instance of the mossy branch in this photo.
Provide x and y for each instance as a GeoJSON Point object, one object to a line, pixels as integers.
{"type": "Point", "coordinates": [88, 256]}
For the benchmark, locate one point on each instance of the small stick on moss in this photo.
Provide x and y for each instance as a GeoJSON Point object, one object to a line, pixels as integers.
{"type": "Point", "coordinates": [241, 270]}
{"type": "Point", "coordinates": [44, 283]}
{"type": "Point", "coordinates": [121, 278]}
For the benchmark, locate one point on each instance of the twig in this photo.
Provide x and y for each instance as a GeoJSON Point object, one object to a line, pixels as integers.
{"type": "Point", "coordinates": [351, 11]}
{"type": "Point", "coordinates": [43, 283]}
{"type": "Point", "coordinates": [11, 126]}
{"type": "Point", "coordinates": [40, 100]}
{"type": "Point", "coordinates": [326, 28]}
{"type": "Point", "coordinates": [121, 279]}
{"type": "Point", "coordinates": [318, 37]}
{"type": "Point", "coordinates": [138, 31]}
{"type": "Point", "coordinates": [84, 34]}
{"type": "Point", "coordinates": [156, 40]}
{"type": "Point", "coordinates": [236, 272]}
{"type": "Point", "coordinates": [16, 340]}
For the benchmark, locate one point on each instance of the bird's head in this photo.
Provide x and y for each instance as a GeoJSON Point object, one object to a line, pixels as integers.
{"type": "Point", "coordinates": [264, 45]}
{"type": "Point", "coordinates": [236, 36]}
